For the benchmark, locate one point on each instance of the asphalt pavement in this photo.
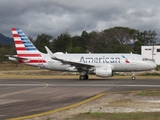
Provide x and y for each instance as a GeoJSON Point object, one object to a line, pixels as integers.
{"type": "Point", "coordinates": [21, 97]}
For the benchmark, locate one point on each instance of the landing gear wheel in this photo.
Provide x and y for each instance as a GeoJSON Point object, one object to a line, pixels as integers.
{"type": "Point", "coordinates": [83, 77]}
{"type": "Point", "coordinates": [86, 77]}
{"type": "Point", "coordinates": [133, 78]}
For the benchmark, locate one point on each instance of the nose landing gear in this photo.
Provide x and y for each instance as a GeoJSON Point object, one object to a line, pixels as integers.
{"type": "Point", "coordinates": [133, 76]}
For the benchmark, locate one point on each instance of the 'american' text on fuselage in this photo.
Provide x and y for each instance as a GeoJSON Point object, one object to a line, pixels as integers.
{"type": "Point", "coordinates": [100, 59]}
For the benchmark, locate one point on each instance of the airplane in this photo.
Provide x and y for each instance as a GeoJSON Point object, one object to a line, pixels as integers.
{"type": "Point", "coordinates": [102, 65]}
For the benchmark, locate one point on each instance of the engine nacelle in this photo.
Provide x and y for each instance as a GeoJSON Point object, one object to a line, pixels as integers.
{"type": "Point", "coordinates": [103, 72]}
{"type": "Point", "coordinates": [72, 69]}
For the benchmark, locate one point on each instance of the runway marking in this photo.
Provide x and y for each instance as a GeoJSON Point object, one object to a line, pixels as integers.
{"type": "Point", "coordinates": [14, 93]}
{"type": "Point", "coordinates": [74, 85]}
{"type": "Point", "coordinates": [58, 110]}
{"type": "Point", "coordinates": [100, 85]}
{"type": "Point", "coordinates": [23, 85]}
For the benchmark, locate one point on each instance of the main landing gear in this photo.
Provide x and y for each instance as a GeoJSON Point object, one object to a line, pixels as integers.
{"type": "Point", "coordinates": [133, 77]}
{"type": "Point", "coordinates": [83, 77]}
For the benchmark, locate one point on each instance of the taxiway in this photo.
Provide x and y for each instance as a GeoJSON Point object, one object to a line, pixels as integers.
{"type": "Point", "coordinates": [21, 97]}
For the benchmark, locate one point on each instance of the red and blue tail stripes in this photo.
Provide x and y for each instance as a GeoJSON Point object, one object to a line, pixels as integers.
{"type": "Point", "coordinates": [21, 41]}
{"type": "Point", "coordinates": [25, 48]}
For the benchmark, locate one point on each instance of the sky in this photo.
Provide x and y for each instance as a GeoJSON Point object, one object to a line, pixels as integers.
{"type": "Point", "coordinates": [55, 17]}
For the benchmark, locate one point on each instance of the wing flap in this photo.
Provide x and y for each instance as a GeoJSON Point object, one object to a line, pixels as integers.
{"type": "Point", "coordinates": [77, 64]}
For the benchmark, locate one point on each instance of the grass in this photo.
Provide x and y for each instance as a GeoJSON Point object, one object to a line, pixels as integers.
{"type": "Point", "coordinates": [150, 74]}
{"type": "Point", "coordinates": [121, 102]}
{"type": "Point", "coordinates": [117, 116]}
{"type": "Point", "coordinates": [143, 74]}
{"type": "Point", "coordinates": [15, 66]}
{"type": "Point", "coordinates": [149, 93]}
{"type": "Point", "coordinates": [118, 74]}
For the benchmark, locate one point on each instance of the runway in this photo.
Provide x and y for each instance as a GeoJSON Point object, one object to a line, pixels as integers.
{"type": "Point", "coordinates": [23, 97]}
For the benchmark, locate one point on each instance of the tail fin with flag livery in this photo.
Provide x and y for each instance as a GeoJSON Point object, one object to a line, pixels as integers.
{"type": "Point", "coordinates": [27, 53]}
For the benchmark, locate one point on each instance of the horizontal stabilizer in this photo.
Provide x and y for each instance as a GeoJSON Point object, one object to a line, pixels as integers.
{"type": "Point", "coordinates": [16, 59]}
{"type": "Point", "coordinates": [15, 56]}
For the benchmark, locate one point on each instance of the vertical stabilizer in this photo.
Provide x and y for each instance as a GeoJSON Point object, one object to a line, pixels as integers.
{"type": "Point", "coordinates": [25, 48]}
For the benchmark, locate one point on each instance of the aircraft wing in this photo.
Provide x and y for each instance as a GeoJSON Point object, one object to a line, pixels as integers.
{"type": "Point", "coordinates": [77, 64]}
{"type": "Point", "coordinates": [73, 63]}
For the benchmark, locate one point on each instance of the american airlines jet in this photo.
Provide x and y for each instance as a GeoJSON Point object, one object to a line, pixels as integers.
{"type": "Point", "coordinates": [102, 65]}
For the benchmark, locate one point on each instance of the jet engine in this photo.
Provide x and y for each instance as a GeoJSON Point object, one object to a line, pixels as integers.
{"type": "Point", "coordinates": [103, 72]}
{"type": "Point", "coordinates": [72, 69]}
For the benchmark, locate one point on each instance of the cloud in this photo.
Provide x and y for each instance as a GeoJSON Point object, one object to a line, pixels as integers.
{"type": "Point", "coordinates": [55, 17]}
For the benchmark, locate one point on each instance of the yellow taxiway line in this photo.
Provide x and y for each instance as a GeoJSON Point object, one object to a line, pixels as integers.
{"type": "Point", "coordinates": [59, 109]}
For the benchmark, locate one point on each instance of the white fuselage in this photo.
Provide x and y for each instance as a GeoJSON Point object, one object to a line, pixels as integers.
{"type": "Point", "coordinates": [102, 65]}
{"type": "Point", "coordinates": [131, 62]}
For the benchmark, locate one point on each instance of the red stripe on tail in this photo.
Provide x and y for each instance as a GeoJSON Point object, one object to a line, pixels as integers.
{"type": "Point", "coordinates": [14, 29]}
{"type": "Point", "coordinates": [16, 35]}
{"type": "Point", "coordinates": [18, 42]}
{"type": "Point", "coordinates": [20, 48]}
{"type": "Point", "coordinates": [29, 55]}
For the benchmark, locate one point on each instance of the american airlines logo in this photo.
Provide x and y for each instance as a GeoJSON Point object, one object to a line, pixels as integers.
{"type": "Point", "coordinates": [126, 60]}
{"type": "Point", "coordinates": [102, 59]}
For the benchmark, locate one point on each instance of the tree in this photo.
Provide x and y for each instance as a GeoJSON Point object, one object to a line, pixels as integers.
{"type": "Point", "coordinates": [78, 49]}
{"type": "Point", "coordinates": [43, 40]}
{"type": "Point", "coordinates": [121, 35]}
{"type": "Point", "coordinates": [78, 44]}
{"type": "Point", "coordinates": [85, 39]}
{"type": "Point", "coordinates": [6, 50]}
{"type": "Point", "coordinates": [117, 39]}
{"type": "Point", "coordinates": [96, 43]}
{"type": "Point", "coordinates": [62, 43]}
{"type": "Point", "coordinates": [144, 38]}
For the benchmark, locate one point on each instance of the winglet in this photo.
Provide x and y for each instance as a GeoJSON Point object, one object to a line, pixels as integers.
{"type": "Point", "coordinates": [50, 53]}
